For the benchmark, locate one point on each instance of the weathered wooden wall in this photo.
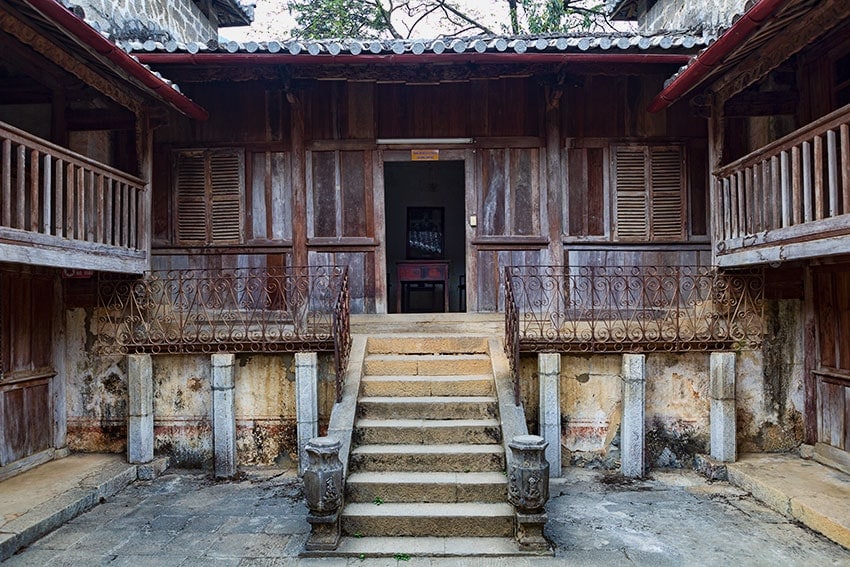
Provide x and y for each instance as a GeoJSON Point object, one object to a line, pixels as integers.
{"type": "Point", "coordinates": [538, 173]}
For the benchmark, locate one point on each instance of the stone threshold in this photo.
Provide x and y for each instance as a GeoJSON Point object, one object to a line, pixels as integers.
{"type": "Point", "coordinates": [403, 548]}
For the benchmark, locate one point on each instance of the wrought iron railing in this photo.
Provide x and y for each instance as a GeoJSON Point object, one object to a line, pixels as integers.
{"type": "Point", "coordinates": [236, 310]}
{"type": "Point", "coordinates": [599, 309]}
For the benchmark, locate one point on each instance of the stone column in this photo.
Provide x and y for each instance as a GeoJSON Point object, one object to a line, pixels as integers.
{"type": "Point", "coordinates": [224, 415]}
{"type": "Point", "coordinates": [140, 397]}
{"type": "Point", "coordinates": [528, 490]}
{"type": "Point", "coordinates": [549, 375]}
{"type": "Point", "coordinates": [723, 429]}
{"type": "Point", "coordinates": [306, 402]}
{"type": "Point", "coordinates": [323, 490]}
{"type": "Point", "coordinates": [633, 428]}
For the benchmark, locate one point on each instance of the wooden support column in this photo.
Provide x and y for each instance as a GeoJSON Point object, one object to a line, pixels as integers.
{"type": "Point", "coordinates": [299, 181]}
{"type": "Point", "coordinates": [715, 155]}
{"type": "Point", "coordinates": [554, 175]}
{"type": "Point", "coordinates": [144, 150]}
{"type": "Point", "coordinates": [810, 422]}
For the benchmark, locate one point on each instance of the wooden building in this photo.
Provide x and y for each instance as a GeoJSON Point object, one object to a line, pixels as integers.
{"type": "Point", "coordinates": [75, 156]}
{"type": "Point", "coordinates": [776, 89]}
{"type": "Point", "coordinates": [525, 151]}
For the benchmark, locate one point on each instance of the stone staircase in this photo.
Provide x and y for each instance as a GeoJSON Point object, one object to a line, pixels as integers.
{"type": "Point", "coordinates": [427, 460]}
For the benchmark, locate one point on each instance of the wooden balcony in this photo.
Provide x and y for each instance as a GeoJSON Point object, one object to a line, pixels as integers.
{"type": "Point", "coordinates": [62, 209]}
{"type": "Point", "coordinates": [789, 200]}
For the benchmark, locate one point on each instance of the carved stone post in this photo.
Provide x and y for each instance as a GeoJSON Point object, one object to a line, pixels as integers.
{"type": "Point", "coordinates": [528, 490]}
{"type": "Point", "coordinates": [323, 492]}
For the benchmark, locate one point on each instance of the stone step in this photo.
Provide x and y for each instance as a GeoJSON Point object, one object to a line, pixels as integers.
{"type": "Point", "coordinates": [426, 345]}
{"type": "Point", "coordinates": [428, 458]}
{"type": "Point", "coordinates": [428, 407]}
{"type": "Point", "coordinates": [426, 487]}
{"type": "Point", "coordinates": [427, 431]}
{"type": "Point", "coordinates": [460, 548]}
{"type": "Point", "coordinates": [426, 364]}
{"type": "Point", "coordinates": [427, 385]}
{"type": "Point", "coordinates": [428, 519]}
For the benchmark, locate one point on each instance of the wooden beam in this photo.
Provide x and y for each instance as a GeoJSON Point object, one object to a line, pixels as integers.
{"type": "Point", "coordinates": [59, 55]}
{"type": "Point", "coordinates": [752, 103]}
{"type": "Point", "coordinates": [772, 53]}
{"type": "Point", "coordinates": [45, 250]}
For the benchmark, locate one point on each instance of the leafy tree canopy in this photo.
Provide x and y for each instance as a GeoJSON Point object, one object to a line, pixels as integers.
{"type": "Point", "coordinates": [402, 19]}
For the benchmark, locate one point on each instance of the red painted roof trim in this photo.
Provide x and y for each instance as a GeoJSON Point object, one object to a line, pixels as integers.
{"type": "Point", "coordinates": [91, 37]}
{"type": "Point", "coordinates": [702, 64]}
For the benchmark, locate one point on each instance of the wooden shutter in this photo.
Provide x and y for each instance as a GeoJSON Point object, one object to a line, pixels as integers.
{"type": "Point", "coordinates": [666, 214]}
{"type": "Point", "coordinates": [226, 197]}
{"type": "Point", "coordinates": [191, 198]}
{"type": "Point", "coordinates": [209, 197]}
{"type": "Point", "coordinates": [630, 177]}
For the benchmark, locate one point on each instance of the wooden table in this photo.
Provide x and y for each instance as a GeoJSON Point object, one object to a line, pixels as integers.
{"type": "Point", "coordinates": [421, 271]}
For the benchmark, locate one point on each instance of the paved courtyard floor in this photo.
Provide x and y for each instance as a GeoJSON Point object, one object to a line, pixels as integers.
{"type": "Point", "coordinates": [674, 518]}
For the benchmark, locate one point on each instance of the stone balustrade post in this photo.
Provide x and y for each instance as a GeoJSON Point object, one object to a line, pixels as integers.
{"type": "Point", "coordinates": [140, 397]}
{"type": "Point", "coordinates": [323, 486]}
{"type": "Point", "coordinates": [633, 426]}
{"type": "Point", "coordinates": [528, 490]}
{"type": "Point", "coordinates": [549, 375]}
{"type": "Point", "coordinates": [722, 416]}
{"type": "Point", "coordinates": [224, 415]}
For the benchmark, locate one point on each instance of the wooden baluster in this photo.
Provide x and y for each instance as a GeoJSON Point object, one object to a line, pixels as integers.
{"type": "Point", "coordinates": [736, 202]}
{"type": "Point", "coordinates": [47, 195]}
{"type": "Point", "coordinates": [768, 194]}
{"type": "Point", "coordinates": [90, 212]}
{"type": "Point", "coordinates": [70, 196]}
{"type": "Point", "coordinates": [134, 194]}
{"type": "Point", "coordinates": [845, 167]}
{"type": "Point", "coordinates": [727, 208]}
{"type": "Point", "coordinates": [59, 228]}
{"type": "Point", "coordinates": [35, 189]}
{"type": "Point", "coordinates": [819, 187]}
{"type": "Point", "coordinates": [20, 187]}
{"type": "Point", "coordinates": [807, 182]}
{"type": "Point", "coordinates": [100, 209]}
{"type": "Point", "coordinates": [796, 186]}
{"type": "Point", "coordinates": [785, 176]}
{"type": "Point", "coordinates": [6, 183]}
{"type": "Point", "coordinates": [832, 171]}
{"type": "Point", "coordinates": [125, 212]}
{"type": "Point", "coordinates": [108, 198]}
{"type": "Point", "coordinates": [776, 183]}
{"type": "Point", "coordinates": [81, 203]}
{"type": "Point", "coordinates": [748, 218]}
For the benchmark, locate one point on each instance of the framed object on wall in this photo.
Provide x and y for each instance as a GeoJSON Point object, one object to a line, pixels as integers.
{"type": "Point", "coordinates": [425, 233]}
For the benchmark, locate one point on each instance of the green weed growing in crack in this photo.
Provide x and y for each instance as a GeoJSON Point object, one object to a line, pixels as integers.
{"type": "Point", "coordinates": [401, 557]}
{"type": "Point", "coordinates": [378, 501]}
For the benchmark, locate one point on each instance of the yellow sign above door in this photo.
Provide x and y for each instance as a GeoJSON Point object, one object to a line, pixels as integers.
{"type": "Point", "coordinates": [425, 155]}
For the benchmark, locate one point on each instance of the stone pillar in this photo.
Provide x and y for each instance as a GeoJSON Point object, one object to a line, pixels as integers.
{"type": "Point", "coordinates": [549, 375]}
{"type": "Point", "coordinates": [224, 415]}
{"type": "Point", "coordinates": [323, 485]}
{"type": "Point", "coordinates": [633, 426]}
{"type": "Point", "coordinates": [306, 402]}
{"type": "Point", "coordinates": [140, 398]}
{"type": "Point", "coordinates": [528, 490]}
{"type": "Point", "coordinates": [723, 430]}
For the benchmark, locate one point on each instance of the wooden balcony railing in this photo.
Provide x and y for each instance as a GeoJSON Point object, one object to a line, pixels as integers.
{"type": "Point", "coordinates": [794, 190]}
{"type": "Point", "coordinates": [63, 209]}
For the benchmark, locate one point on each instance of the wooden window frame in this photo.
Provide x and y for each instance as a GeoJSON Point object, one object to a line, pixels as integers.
{"type": "Point", "coordinates": [209, 211]}
{"type": "Point", "coordinates": [649, 189]}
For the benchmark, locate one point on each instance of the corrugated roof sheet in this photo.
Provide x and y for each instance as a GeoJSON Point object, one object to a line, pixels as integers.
{"type": "Point", "coordinates": [502, 44]}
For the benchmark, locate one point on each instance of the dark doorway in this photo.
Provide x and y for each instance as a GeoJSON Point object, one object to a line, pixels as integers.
{"type": "Point", "coordinates": [425, 212]}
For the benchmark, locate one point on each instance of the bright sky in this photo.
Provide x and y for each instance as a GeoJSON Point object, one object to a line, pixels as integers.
{"type": "Point", "coordinates": [492, 13]}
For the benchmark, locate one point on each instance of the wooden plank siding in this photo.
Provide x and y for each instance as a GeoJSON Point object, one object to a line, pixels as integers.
{"type": "Point", "coordinates": [538, 176]}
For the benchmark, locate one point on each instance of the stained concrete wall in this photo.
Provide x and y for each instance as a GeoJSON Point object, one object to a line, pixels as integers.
{"type": "Point", "coordinates": [159, 20]}
{"type": "Point", "coordinates": [769, 392]}
{"type": "Point", "coordinates": [264, 400]}
{"type": "Point", "coordinates": [695, 16]}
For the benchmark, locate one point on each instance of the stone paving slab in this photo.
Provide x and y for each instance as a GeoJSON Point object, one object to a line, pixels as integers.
{"type": "Point", "coordinates": [673, 518]}
{"type": "Point", "coordinates": [805, 490]}
{"type": "Point", "coordinates": [42, 499]}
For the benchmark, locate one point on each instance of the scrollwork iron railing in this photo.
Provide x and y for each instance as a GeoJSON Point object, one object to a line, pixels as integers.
{"type": "Point", "coordinates": [230, 310]}
{"type": "Point", "coordinates": [600, 309]}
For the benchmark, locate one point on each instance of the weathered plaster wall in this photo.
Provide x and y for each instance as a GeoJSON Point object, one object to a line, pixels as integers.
{"type": "Point", "coordinates": [264, 399]}
{"type": "Point", "coordinates": [770, 383]}
{"type": "Point", "coordinates": [96, 388]}
{"type": "Point", "coordinates": [699, 16]}
{"type": "Point", "coordinates": [179, 20]}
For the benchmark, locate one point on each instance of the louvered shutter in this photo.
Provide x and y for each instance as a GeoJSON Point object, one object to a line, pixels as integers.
{"type": "Point", "coordinates": [191, 198]}
{"type": "Point", "coordinates": [630, 173]}
{"type": "Point", "coordinates": [666, 218]}
{"type": "Point", "coordinates": [209, 197]}
{"type": "Point", "coordinates": [226, 197]}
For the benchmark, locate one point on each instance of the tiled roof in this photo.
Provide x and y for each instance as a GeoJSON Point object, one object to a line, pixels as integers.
{"type": "Point", "coordinates": [561, 43]}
